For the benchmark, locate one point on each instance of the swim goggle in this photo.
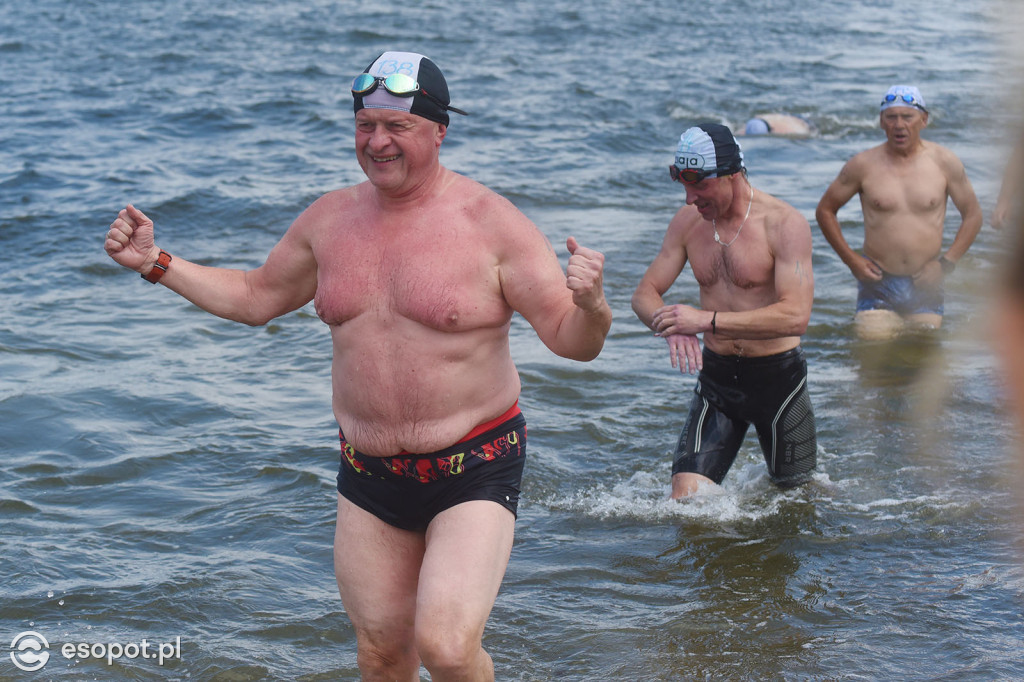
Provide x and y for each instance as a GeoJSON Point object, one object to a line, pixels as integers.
{"type": "Point", "coordinates": [399, 85]}
{"type": "Point", "coordinates": [691, 176]}
{"type": "Point", "coordinates": [909, 99]}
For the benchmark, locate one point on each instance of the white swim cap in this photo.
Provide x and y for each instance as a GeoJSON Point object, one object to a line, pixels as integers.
{"type": "Point", "coordinates": [903, 96]}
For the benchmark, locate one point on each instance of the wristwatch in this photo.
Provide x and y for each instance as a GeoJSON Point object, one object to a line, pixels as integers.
{"type": "Point", "coordinates": [947, 265]}
{"type": "Point", "coordinates": [159, 268]}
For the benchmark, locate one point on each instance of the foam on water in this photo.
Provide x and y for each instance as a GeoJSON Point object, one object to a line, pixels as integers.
{"type": "Point", "coordinates": [746, 495]}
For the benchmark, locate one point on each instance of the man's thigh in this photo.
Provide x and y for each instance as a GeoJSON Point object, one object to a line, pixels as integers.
{"type": "Point", "coordinates": [878, 325]}
{"type": "Point", "coordinates": [467, 552]}
{"type": "Point", "coordinates": [377, 567]}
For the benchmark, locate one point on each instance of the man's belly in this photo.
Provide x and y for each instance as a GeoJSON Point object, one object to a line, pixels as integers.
{"type": "Point", "coordinates": [421, 397]}
{"type": "Point", "coordinates": [903, 249]}
{"type": "Point", "coordinates": [753, 348]}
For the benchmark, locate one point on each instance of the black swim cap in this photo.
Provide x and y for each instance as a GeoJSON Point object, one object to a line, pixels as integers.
{"type": "Point", "coordinates": [434, 105]}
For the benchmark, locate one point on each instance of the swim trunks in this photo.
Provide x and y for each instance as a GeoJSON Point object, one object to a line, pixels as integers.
{"type": "Point", "coordinates": [733, 392]}
{"type": "Point", "coordinates": [408, 490]}
{"type": "Point", "coordinates": [900, 294]}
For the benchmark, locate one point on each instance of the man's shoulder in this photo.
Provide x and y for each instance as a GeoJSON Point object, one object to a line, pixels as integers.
{"type": "Point", "coordinates": [860, 165]}
{"type": "Point", "coordinates": [324, 211]}
{"type": "Point", "coordinates": [686, 219]}
{"type": "Point", "coordinates": [477, 199]}
{"type": "Point", "coordinates": [476, 209]}
{"type": "Point", "coordinates": [942, 155]}
{"type": "Point", "coordinates": [781, 208]}
{"type": "Point", "coordinates": [869, 155]}
{"type": "Point", "coordinates": [781, 216]}
{"type": "Point", "coordinates": [935, 147]}
{"type": "Point", "coordinates": [341, 195]}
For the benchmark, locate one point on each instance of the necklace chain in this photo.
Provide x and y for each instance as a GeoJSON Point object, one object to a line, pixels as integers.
{"type": "Point", "coordinates": [714, 224]}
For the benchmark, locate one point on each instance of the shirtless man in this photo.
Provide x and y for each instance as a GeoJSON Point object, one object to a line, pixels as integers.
{"type": "Point", "coordinates": [903, 184]}
{"type": "Point", "coordinates": [751, 256]}
{"type": "Point", "coordinates": [417, 272]}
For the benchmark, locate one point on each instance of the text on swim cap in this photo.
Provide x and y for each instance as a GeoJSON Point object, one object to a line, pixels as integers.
{"type": "Point", "coordinates": [690, 160]}
{"type": "Point", "coordinates": [387, 67]}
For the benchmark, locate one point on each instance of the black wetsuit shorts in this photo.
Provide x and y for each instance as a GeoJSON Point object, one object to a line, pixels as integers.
{"type": "Point", "coordinates": [733, 392]}
{"type": "Point", "coordinates": [408, 490]}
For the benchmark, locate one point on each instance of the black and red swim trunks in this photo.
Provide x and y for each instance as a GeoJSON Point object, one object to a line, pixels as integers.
{"type": "Point", "coordinates": [408, 490]}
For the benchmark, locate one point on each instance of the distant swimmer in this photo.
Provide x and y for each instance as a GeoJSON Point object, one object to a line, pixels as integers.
{"type": "Point", "coordinates": [904, 185]}
{"type": "Point", "coordinates": [751, 256]}
{"type": "Point", "coordinates": [779, 124]}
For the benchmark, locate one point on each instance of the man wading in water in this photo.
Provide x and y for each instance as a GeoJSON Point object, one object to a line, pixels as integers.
{"type": "Point", "coordinates": [751, 256]}
{"type": "Point", "coordinates": [904, 185]}
{"type": "Point", "coordinates": [417, 272]}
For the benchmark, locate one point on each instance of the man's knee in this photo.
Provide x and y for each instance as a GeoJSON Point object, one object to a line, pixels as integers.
{"type": "Point", "coordinates": [685, 484]}
{"type": "Point", "coordinates": [449, 652]}
{"type": "Point", "coordinates": [393, 661]}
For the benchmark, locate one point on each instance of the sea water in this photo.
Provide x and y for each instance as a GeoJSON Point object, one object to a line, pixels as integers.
{"type": "Point", "coordinates": [167, 477]}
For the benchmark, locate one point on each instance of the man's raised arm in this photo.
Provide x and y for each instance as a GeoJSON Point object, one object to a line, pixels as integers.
{"type": "Point", "coordinates": [286, 281]}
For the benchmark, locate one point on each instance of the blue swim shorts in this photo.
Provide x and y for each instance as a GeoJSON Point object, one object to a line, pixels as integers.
{"type": "Point", "coordinates": [900, 294]}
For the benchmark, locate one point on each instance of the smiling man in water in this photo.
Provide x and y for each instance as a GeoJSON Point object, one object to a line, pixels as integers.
{"type": "Point", "coordinates": [904, 184]}
{"type": "Point", "coordinates": [417, 272]}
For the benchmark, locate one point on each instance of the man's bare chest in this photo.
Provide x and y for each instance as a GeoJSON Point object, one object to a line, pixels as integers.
{"type": "Point", "coordinates": [440, 280]}
{"type": "Point", "coordinates": [894, 193]}
{"type": "Point", "coordinates": [716, 267]}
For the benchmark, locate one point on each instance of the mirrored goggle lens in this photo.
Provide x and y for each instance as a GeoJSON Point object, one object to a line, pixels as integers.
{"type": "Point", "coordinates": [909, 99]}
{"type": "Point", "coordinates": [401, 85]}
{"type": "Point", "coordinates": [397, 84]}
{"type": "Point", "coordinates": [688, 175]}
{"type": "Point", "coordinates": [363, 84]}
